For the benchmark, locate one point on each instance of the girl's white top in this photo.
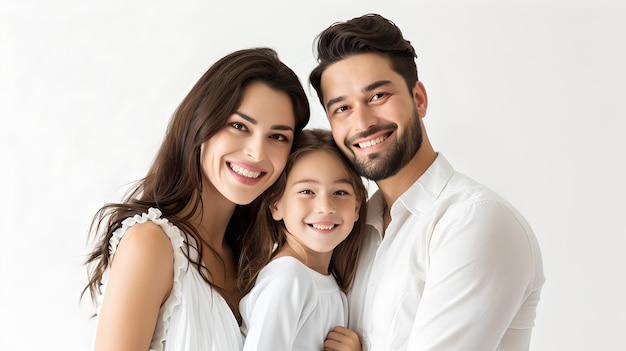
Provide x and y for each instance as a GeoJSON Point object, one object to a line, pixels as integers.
{"type": "Point", "coordinates": [291, 307]}
{"type": "Point", "coordinates": [194, 316]}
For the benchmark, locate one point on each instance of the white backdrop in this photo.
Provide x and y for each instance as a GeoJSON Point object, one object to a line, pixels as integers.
{"type": "Point", "coordinates": [526, 97]}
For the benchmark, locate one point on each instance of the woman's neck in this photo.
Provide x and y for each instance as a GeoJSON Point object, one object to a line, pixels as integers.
{"type": "Point", "coordinates": [212, 216]}
{"type": "Point", "coordinates": [210, 221]}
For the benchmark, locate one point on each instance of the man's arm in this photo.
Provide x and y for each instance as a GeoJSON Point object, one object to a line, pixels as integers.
{"type": "Point", "coordinates": [481, 269]}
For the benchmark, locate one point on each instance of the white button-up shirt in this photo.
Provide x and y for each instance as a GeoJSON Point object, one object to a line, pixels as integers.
{"type": "Point", "coordinates": [457, 269]}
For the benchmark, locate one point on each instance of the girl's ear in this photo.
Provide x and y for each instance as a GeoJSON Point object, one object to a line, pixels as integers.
{"type": "Point", "coordinates": [276, 210]}
{"type": "Point", "coordinates": [357, 209]}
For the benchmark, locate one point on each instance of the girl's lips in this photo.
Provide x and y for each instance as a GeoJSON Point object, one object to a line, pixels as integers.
{"type": "Point", "coordinates": [320, 226]}
{"type": "Point", "coordinates": [323, 226]}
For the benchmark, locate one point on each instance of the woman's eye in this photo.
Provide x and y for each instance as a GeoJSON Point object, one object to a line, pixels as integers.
{"type": "Point", "coordinates": [279, 137]}
{"type": "Point", "coordinates": [239, 126]}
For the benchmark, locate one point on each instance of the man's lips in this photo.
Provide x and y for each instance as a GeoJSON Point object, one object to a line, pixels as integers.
{"type": "Point", "coordinates": [372, 139]}
{"type": "Point", "coordinates": [373, 136]}
{"type": "Point", "coordinates": [371, 142]}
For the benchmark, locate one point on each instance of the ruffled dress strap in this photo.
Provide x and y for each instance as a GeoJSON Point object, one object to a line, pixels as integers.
{"type": "Point", "coordinates": [180, 264]}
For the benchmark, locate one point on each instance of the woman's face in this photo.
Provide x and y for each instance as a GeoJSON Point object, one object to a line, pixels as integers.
{"type": "Point", "coordinates": [248, 154]}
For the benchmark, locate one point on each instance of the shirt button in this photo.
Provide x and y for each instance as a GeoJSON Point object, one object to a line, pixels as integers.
{"type": "Point", "coordinates": [378, 243]}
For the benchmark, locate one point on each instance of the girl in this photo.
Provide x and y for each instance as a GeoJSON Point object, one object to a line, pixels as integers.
{"type": "Point", "coordinates": [163, 272]}
{"type": "Point", "coordinates": [298, 260]}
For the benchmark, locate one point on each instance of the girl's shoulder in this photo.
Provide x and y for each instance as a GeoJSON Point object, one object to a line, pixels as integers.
{"type": "Point", "coordinates": [287, 274]}
{"type": "Point", "coordinates": [286, 265]}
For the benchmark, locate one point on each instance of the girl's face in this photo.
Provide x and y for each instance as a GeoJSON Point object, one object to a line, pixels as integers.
{"type": "Point", "coordinates": [319, 205]}
{"type": "Point", "coordinates": [248, 154]}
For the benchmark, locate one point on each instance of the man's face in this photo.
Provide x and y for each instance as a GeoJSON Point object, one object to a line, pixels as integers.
{"type": "Point", "coordinates": [373, 115]}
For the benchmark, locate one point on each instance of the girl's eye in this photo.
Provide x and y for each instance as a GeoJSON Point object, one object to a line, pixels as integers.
{"type": "Point", "coordinates": [306, 192]}
{"type": "Point", "coordinates": [239, 126]}
{"type": "Point", "coordinates": [341, 192]}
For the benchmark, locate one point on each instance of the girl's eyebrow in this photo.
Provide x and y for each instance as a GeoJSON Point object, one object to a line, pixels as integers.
{"type": "Point", "coordinates": [313, 181]}
{"type": "Point", "coordinates": [255, 122]}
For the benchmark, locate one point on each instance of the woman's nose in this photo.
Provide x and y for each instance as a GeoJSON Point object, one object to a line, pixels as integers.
{"type": "Point", "coordinates": [255, 148]}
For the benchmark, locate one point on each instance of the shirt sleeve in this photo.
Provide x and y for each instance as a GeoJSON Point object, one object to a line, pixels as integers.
{"type": "Point", "coordinates": [281, 299]}
{"type": "Point", "coordinates": [481, 263]}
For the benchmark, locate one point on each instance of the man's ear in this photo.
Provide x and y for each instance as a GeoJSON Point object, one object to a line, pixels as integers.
{"type": "Point", "coordinates": [421, 99]}
{"type": "Point", "coordinates": [276, 210]}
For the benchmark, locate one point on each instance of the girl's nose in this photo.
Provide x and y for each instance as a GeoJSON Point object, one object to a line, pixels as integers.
{"type": "Point", "coordinates": [324, 204]}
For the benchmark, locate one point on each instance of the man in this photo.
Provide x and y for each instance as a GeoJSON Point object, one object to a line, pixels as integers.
{"type": "Point", "coordinates": [446, 263]}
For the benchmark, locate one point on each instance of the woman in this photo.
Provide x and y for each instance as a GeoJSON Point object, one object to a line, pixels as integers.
{"type": "Point", "coordinates": [164, 273]}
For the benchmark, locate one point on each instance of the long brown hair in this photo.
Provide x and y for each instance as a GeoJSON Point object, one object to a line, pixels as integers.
{"type": "Point", "coordinates": [174, 182]}
{"type": "Point", "coordinates": [370, 33]}
{"type": "Point", "coordinates": [266, 236]}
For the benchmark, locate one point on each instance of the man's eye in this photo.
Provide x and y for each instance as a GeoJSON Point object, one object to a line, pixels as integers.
{"type": "Point", "coordinates": [341, 109]}
{"type": "Point", "coordinates": [377, 96]}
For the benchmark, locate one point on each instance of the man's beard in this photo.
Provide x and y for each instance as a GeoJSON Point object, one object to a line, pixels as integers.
{"type": "Point", "coordinates": [384, 164]}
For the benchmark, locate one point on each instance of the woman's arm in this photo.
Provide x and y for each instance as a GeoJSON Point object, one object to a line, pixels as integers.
{"type": "Point", "coordinates": [140, 280]}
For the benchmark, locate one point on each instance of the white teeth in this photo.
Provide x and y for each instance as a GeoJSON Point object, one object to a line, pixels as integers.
{"type": "Point", "coordinates": [372, 142]}
{"type": "Point", "coordinates": [323, 227]}
{"type": "Point", "coordinates": [244, 172]}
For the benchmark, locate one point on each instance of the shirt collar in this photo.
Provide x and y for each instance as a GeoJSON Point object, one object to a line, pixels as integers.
{"type": "Point", "coordinates": [418, 197]}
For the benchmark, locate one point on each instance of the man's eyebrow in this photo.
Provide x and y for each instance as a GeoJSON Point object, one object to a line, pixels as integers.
{"type": "Point", "coordinates": [255, 122]}
{"type": "Point", "coordinates": [331, 102]}
{"type": "Point", "coordinates": [375, 85]}
{"type": "Point", "coordinates": [367, 88]}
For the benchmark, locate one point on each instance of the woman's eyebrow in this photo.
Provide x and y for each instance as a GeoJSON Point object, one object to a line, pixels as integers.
{"type": "Point", "coordinates": [255, 122]}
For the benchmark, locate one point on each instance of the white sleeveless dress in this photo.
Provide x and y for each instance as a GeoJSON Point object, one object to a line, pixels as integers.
{"type": "Point", "coordinates": [194, 316]}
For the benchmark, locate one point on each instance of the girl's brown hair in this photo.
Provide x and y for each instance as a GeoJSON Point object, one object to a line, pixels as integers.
{"type": "Point", "coordinates": [174, 182]}
{"type": "Point", "coordinates": [266, 236]}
